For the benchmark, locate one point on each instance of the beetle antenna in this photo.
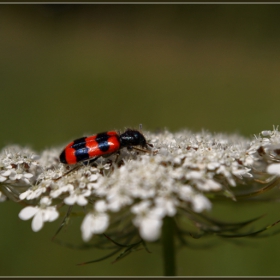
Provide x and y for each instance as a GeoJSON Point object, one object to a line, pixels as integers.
{"type": "Point", "coordinates": [140, 127]}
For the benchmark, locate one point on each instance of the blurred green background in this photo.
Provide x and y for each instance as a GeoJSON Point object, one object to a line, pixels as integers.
{"type": "Point", "coordinates": [73, 70]}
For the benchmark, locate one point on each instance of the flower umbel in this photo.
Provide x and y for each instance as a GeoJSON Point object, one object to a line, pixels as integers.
{"type": "Point", "coordinates": [131, 194]}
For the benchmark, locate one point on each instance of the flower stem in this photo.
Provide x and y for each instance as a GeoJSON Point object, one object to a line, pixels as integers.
{"type": "Point", "coordinates": [168, 246]}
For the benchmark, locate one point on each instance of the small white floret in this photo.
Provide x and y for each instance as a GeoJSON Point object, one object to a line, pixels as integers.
{"type": "Point", "coordinates": [274, 168]}
{"type": "Point", "coordinates": [94, 223]}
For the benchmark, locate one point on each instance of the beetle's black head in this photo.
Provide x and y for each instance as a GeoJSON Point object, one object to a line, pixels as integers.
{"type": "Point", "coordinates": [132, 138]}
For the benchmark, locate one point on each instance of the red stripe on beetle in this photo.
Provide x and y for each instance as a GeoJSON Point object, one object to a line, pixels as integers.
{"type": "Point", "coordinates": [96, 143]}
{"type": "Point", "coordinates": [70, 157]}
{"type": "Point", "coordinates": [88, 148]}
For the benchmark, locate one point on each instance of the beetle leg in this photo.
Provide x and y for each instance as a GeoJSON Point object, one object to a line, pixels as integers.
{"type": "Point", "coordinates": [87, 162]}
{"type": "Point", "coordinates": [66, 173]}
{"type": "Point", "coordinates": [144, 150]}
{"type": "Point", "coordinates": [90, 161]}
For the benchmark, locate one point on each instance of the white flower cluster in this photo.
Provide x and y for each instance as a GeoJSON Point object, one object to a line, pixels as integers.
{"type": "Point", "coordinates": [266, 151]}
{"type": "Point", "coordinates": [185, 168]}
{"type": "Point", "coordinates": [18, 167]}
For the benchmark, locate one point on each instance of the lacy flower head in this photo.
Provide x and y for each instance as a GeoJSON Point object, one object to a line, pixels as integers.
{"type": "Point", "coordinates": [127, 195]}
